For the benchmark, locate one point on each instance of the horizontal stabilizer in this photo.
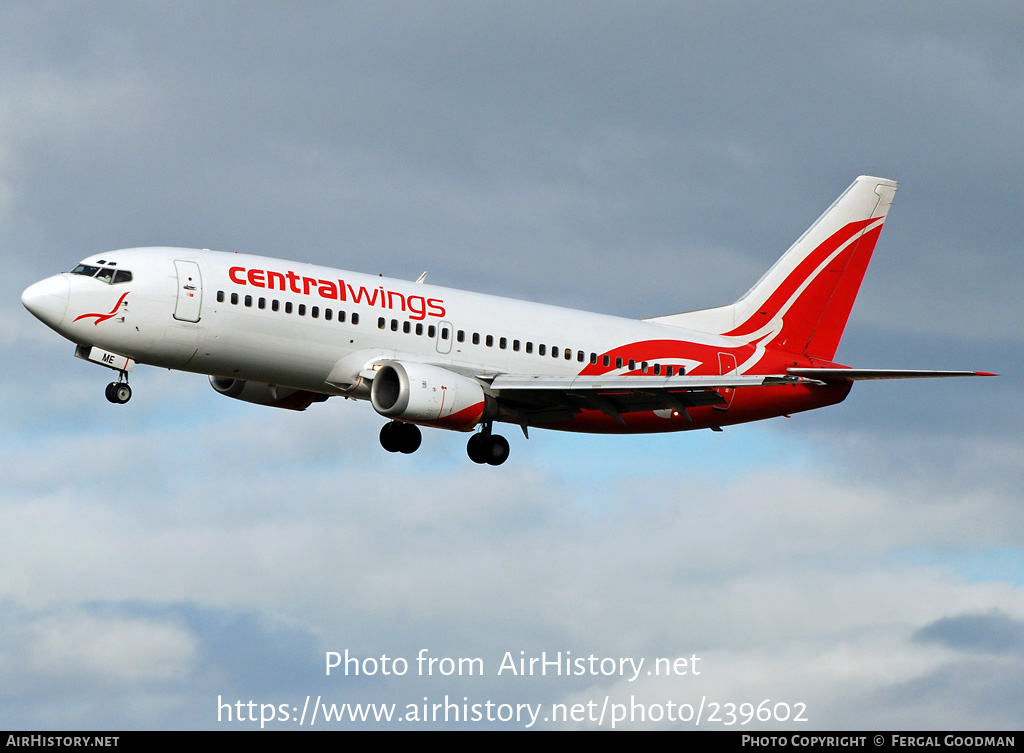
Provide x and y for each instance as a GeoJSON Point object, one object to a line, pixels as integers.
{"type": "Point", "coordinates": [860, 374]}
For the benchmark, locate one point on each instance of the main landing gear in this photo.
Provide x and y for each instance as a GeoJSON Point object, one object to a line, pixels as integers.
{"type": "Point", "coordinates": [118, 393]}
{"type": "Point", "coordinates": [398, 436]}
{"type": "Point", "coordinates": [488, 448]}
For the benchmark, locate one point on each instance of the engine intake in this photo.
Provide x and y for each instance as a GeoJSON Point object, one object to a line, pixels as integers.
{"type": "Point", "coordinates": [430, 395]}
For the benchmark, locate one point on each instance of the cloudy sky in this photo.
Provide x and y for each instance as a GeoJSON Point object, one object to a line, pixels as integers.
{"type": "Point", "coordinates": [633, 158]}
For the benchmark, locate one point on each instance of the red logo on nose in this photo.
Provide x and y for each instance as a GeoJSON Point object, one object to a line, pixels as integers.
{"type": "Point", "coordinates": [104, 317]}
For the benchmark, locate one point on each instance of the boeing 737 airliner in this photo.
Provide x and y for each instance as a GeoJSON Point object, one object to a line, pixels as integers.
{"type": "Point", "coordinates": [287, 334]}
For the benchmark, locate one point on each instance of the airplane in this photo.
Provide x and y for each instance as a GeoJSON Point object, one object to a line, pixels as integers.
{"type": "Point", "coordinates": [287, 334]}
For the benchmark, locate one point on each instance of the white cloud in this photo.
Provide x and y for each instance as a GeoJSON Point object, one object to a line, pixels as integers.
{"type": "Point", "coordinates": [117, 652]}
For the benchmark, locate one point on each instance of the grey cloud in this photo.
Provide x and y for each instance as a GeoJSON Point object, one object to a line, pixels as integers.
{"type": "Point", "coordinates": [992, 633]}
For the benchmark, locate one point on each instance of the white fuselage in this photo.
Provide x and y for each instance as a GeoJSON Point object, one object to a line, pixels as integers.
{"type": "Point", "coordinates": [289, 324]}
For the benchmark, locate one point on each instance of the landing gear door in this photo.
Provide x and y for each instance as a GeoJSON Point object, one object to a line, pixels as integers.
{"type": "Point", "coordinates": [190, 291]}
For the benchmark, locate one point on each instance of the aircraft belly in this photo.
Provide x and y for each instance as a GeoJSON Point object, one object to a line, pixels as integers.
{"type": "Point", "coordinates": [270, 359]}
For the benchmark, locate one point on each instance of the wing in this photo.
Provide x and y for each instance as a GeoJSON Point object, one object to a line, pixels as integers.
{"type": "Point", "coordinates": [556, 398]}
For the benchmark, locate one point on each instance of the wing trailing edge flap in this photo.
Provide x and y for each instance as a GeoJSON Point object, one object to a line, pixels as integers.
{"type": "Point", "coordinates": [684, 383]}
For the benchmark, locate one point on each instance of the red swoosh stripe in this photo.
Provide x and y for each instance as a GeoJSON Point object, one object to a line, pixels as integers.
{"type": "Point", "coordinates": [104, 317]}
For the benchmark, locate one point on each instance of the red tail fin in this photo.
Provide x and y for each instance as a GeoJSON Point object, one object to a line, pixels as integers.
{"type": "Point", "coordinates": [802, 303]}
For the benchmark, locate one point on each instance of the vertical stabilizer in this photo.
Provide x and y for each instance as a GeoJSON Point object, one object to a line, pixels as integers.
{"type": "Point", "coordinates": [802, 303]}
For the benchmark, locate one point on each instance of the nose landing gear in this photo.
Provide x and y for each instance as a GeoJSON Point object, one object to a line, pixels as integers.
{"type": "Point", "coordinates": [118, 392]}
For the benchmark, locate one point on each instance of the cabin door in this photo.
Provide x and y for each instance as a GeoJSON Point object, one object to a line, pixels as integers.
{"type": "Point", "coordinates": [190, 291]}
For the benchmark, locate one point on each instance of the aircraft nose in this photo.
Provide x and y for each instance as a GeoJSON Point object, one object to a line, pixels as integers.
{"type": "Point", "coordinates": [48, 299]}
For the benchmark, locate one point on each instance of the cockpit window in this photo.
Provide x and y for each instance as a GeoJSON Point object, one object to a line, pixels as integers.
{"type": "Point", "coordinates": [103, 274]}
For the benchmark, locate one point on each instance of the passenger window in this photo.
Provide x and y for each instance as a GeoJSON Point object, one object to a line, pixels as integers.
{"type": "Point", "coordinates": [407, 327]}
{"type": "Point", "coordinates": [315, 312]}
{"type": "Point", "coordinates": [275, 305]}
{"type": "Point", "coordinates": [554, 351]}
{"type": "Point", "coordinates": [489, 341]}
{"type": "Point", "coordinates": [328, 314]}
{"type": "Point", "coordinates": [381, 323]}
{"type": "Point", "coordinates": [234, 299]}
{"type": "Point", "coordinates": [541, 349]}
{"type": "Point", "coordinates": [262, 303]}
{"type": "Point", "coordinates": [220, 296]}
{"type": "Point", "coordinates": [355, 318]}
{"type": "Point", "coordinates": [529, 346]}
{"type": "Point", "coordinates": [302, 309]}
{"type": "Point", "coordinates": [287, 307]}
{"type": "Point", "coordinates": [476, 338]}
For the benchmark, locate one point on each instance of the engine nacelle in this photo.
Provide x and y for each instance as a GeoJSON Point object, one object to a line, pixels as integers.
{"type": "Point", "coordinates": [431, 396]}
{"type": "Point", "coordinates": [266, 394]}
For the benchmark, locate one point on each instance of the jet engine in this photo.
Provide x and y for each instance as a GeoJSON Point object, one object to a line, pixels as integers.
{"type": "Point", "coordinates": [265, 394]}
{"type": "Point", "coordinates": [430, 395]}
